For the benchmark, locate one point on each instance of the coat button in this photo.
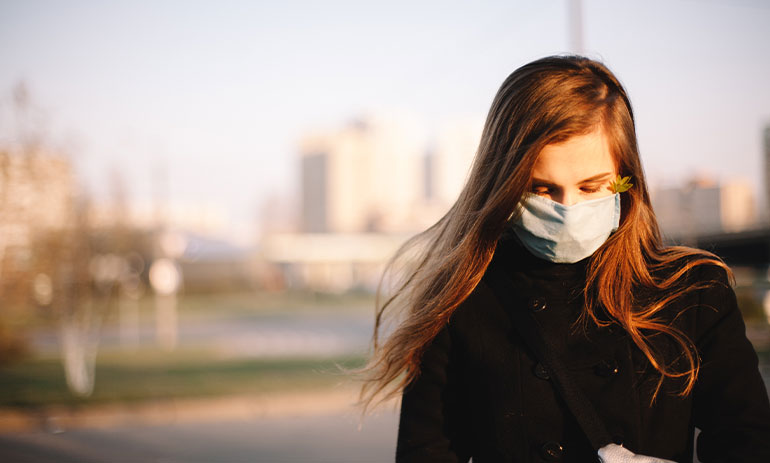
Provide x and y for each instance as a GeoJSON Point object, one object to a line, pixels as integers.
{"type": "Point", "coordinates": [551, 451]}
{"type": "Point", "coordinates": [536, 304]}
{"type": "Point", "coordinates": [606, 368]}
{"type": "Point", "coordinates": [541, 372]}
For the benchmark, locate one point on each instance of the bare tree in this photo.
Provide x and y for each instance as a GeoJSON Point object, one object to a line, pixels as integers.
{"type": "Point", "coordinates": [52, 258]}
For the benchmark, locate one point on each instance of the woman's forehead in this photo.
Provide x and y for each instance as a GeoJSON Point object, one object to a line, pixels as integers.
{"type": "Point", "coordinates": [575, 159]}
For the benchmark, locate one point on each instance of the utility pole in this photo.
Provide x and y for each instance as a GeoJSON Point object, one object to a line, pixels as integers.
{"type": "Point", "coordinates": [575, 26]}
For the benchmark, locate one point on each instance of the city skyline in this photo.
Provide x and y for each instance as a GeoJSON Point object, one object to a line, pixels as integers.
{"type": "Point", "coordinates": [221, 96]}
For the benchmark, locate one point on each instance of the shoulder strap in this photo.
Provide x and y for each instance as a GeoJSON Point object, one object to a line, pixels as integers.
{"type": "Point", "coordinates": [505, 290]}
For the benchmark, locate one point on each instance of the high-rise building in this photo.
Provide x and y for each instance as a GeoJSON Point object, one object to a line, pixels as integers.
{"type": "Point", "coordinates": [704, 206]}
{"type": "Point", "coordinates": [366, 177]}
{"type": "Point", "coordinates": [766, 206]}
{"type": "Point", "coordinates": [315, 184]}
{"type": "Point", "coordinates": [365, 188]}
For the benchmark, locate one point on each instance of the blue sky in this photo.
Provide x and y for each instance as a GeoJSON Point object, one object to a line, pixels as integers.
{"type": "Point", "coordinates": [220, 92]}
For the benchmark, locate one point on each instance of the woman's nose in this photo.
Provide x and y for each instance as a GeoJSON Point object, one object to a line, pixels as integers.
{"type": "Point", "coordinates": [566, 198]}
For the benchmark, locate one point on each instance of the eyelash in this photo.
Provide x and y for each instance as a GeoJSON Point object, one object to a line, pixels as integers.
{"type": "Point", "coordinates": [541, 190]}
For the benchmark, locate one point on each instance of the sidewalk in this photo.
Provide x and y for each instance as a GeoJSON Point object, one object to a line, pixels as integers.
{"type": "Point", "coordinates": [217, 432]}
{"type": "Point", "coordinates": [173, 411]}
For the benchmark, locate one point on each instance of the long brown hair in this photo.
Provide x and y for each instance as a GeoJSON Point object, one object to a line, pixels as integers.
{"type": "Point", "coordinates": [543, 102]}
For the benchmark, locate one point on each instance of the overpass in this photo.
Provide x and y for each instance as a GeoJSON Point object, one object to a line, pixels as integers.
{"type": "Point", "coordinates": [749, 248]}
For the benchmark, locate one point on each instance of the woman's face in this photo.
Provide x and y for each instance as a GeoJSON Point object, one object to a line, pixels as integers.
{"type": "Point", "coordinates": [576, 170]}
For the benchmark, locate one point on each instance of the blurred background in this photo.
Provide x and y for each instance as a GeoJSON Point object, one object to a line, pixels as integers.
{"type": "Point", "coordinates": [197, 198]}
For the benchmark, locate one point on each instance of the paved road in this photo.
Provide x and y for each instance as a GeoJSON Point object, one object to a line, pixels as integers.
{"type": "Point", "coordinates": [252, 335]}
{"type": "Point", "coordinates": [323, 438]}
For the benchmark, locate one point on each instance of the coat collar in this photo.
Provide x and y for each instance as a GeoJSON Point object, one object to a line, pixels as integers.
{"type": "Point", "coordinates": [512, 256]}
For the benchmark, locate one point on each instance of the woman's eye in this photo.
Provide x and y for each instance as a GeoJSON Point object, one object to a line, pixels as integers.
{"type": "Point", "coordinates": [590, 189]}
{"type": "Point", "coordinates": [541, 190]}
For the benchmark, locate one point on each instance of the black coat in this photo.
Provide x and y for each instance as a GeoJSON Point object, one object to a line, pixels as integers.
{"type": "Point", "coordinates": [481, 393]}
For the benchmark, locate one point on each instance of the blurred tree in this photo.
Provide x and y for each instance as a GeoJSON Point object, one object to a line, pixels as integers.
{"type": "Point", "coordinates": [90, 269]}
{"type": "Point", "coordinates": [56, 263]}
{"type": "Point", "coordinates": [21, 141]}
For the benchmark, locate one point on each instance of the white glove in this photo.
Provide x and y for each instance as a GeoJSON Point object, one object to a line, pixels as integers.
{"type": "Point", "coordinates": [614, 453]}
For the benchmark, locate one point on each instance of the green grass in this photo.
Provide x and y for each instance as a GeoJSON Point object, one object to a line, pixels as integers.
{"type": "Point", "coordinates": [154, 375]}
{"type": "Point", "coordinates": [150, 374]}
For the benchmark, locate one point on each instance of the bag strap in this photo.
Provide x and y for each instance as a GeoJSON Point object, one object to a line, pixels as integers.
{"type": "Point", "coordinates": [506, 290]}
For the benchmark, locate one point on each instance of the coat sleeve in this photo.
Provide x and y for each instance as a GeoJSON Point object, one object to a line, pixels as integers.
{"type": "Point", "coordinates": [730, 400]}
{"type": "Point", "coordinates": [432, 422]}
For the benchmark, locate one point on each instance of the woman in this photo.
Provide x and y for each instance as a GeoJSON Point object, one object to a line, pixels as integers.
{"type": "Point", "coordinates": [650, 334]}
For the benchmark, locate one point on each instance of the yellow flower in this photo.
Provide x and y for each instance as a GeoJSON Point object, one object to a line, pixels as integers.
{"type": "Point", "coordinates": [621, 184]}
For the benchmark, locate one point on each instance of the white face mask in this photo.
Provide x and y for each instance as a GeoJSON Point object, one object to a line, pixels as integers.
{"type": "Point", "coordinates": [566, 234]}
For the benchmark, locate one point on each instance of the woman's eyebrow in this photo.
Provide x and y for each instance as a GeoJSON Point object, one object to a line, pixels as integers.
{"type": "Point", "coordinates": [596, 178]}
{"type": "Point", "coordinates": [541, 182]}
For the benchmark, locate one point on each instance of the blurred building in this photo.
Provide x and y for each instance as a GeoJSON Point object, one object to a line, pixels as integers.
{"type": "Point", "coordinates": [765, 216]}
{"type": "Point", "coordinates": [206, 260]}
{"type": "Point", "coordinates": [208, 263]}
{"type": "Point", "coordinates": [365, 177]}
{"type": "Point", "coordinates": [331, 262]}
{"type": "Point", "coordinates": [365, 188]}
{"type": "Point", "coordinates": [704, 206]}
{"type": "Point", "coordinates": [362, 190]}
{"type": "Point", "coordinates": [379, 175]}
{"type": "Point", "coordinates": [456, 145]}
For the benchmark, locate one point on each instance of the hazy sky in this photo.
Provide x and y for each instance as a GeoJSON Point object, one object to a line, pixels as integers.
{"type": "Point", "coordinates": [220, 92]}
